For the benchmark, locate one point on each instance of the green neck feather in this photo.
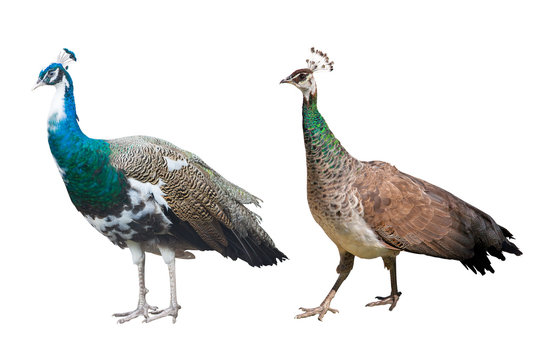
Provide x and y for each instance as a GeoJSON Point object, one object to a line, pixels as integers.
{"type": "Point", "coordinates": [323, 149]}
{"type": "Point", "coordinates": [95, 187]}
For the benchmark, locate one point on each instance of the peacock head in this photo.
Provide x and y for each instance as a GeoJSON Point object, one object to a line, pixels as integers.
{"type": "Point", "coordinates": [56, 72]}
{"type": "Point", "coordinates": [303, 79]}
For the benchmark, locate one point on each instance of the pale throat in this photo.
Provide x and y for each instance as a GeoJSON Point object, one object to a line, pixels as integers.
{"type": "Point", "coordinates": [57, 109]}
{"type": "Point", "coordinates": [309, 90]}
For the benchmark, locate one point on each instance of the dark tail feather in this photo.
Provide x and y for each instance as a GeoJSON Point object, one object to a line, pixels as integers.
{"type": "Point", "coordinates": [506, 232]}
{"type": "Point", "coordinates": [507, 245]}
{"type": "Point", "coordinates": [511, 248]}
{"type": "Point", "coordinates": [257, 249]}
{"type": "Point", "coordinates": [183, 230]}
{"type": "Point", "coordinates": [255, 253]}
{"type": "Point", "coordinates": [480, 262]}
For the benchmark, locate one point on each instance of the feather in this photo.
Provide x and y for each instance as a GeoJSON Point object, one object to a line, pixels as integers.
{"type": "Point", "coordinates": [209, 206]}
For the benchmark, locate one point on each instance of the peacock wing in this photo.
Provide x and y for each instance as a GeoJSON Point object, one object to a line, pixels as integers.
{"type": "Point", "coordinates": [232, 190]}
{"type": "Point", "coordinates": [190, 195]}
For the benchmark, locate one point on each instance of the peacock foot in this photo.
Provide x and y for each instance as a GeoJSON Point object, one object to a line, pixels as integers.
{"type": "Point", "coordinates": [170, 311]}
{"type": "Point", "coordinates": [391, 299]}
{"type": "Point", "coordinates": [142, 310]}
{"type": "Point", "coordinates": [319, 310]}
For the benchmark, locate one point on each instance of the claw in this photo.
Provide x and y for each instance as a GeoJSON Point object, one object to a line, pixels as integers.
{"type": "Point", "coordinates": [386, 300]}
{"type": "Point", "coordinates": [170, 311]}
{"type": "Point", "coordinates": [319, 310]}
{"type": "Point", "coordinates": [155, 311]}
{"type": "Point", "coordinates": [142, 310]}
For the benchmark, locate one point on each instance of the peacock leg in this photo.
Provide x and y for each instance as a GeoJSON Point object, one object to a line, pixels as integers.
{"type": "Point", "coordinates": [168, 254]}
{"type": "Point", "coordinates": [143, 307]}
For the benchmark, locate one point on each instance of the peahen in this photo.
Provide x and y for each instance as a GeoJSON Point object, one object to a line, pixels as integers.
{"type": "Point", "coordinates": [150, 196]}
{"type": "Point", "coordinates": [371, 209]}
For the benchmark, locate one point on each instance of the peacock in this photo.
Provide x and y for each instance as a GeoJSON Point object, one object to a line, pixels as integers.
{"type": "Point", "coordinates": [148, 195]}
{"type": "Point", "coordinates": [371, 209]}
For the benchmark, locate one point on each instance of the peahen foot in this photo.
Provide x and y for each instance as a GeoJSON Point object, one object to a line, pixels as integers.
{"type": "Point", "coordinates": [391, 299]}
{"type": "Point", "coordinates": [142, 310]}
{"type": "Point", "coordinates": [319, 310]}
{"type": "Point", "coordinates": [170, 311]}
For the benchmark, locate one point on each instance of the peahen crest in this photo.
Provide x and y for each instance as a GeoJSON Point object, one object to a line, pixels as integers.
{"type": "Point", "coordinates": [66, 57]}
{"type": "Point", "coordinates": [319, 61]}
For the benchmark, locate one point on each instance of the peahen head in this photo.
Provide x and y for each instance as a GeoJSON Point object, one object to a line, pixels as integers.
{"type": "Point", "coordinates": [56, 72]}
{"type": "Point", "coordinates": [303, 79]}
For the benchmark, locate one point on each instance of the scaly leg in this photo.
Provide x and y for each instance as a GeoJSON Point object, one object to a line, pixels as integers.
{"type": "Point", "coordinates": [168, 254]}
{"type": "Point", "coordinates": [390, 263]}
{"type": "Point", "coordinates": [343, 269]}
{"type": "Point", "coordinates": [143, 308]}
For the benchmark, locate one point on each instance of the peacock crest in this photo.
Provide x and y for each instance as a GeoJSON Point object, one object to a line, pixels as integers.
{"type": "Point", "coordinates": [66, 57]}
{"type": "Point", "coordinates": [319, 61]}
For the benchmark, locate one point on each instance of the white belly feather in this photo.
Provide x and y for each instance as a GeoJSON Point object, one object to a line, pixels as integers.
{"type": "Point", "coordinates": [355, 236]}
{"type": "Point", "coordinates": [147, 200]}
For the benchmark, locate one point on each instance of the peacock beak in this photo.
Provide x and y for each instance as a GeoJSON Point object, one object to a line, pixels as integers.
{"type": "Point", "coordinates": [39, 83]}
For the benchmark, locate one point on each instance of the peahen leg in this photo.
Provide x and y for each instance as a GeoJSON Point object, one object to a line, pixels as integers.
{"type": "Point", "coordinates": [390, 263]}
{"type": "Point", "coordinates": [344, 268]}
{"type": "Point", "coordinates": [168, 254]}
{"type": "Point", "coordinates": [143, 308]}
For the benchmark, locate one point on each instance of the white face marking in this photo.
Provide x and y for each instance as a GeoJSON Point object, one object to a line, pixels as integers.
{"type": "Point", "coordinates": [175, 164]}
{"type": "Point", "coordinates": [54, 75]}
{"type": "Point", "coordinates": [307, 86]}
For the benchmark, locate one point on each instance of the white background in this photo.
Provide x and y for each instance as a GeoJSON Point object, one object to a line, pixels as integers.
{"type": "Point", "coordinates": [454, 92]}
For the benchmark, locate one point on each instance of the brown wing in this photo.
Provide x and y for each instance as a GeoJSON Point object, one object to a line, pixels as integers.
{"type": "Point", "coordinates": [416, 216]}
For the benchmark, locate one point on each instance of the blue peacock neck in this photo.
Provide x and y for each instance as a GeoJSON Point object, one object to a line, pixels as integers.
{"type": "Point", "coordinates": [95, 187]}
{"type": "Point", "coordinates": [325, 154]}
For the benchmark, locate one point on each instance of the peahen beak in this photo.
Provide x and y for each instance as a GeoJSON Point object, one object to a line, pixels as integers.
{"type": "Point", "coordinates": [286, 81]}
{"type": "Point", "coordinates": [39, 83]}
